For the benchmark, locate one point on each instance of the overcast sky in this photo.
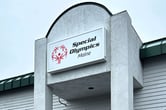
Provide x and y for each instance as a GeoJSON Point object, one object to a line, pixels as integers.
{"type": "Point", "coordinates": [24, 21]}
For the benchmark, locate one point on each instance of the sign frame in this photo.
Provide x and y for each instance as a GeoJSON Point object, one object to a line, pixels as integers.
{"type": "Point", "coordinates": [99, 60]}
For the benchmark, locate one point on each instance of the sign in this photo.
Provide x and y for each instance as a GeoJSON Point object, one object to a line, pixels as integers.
{"type": "Point", "coordinates": [84, 49]}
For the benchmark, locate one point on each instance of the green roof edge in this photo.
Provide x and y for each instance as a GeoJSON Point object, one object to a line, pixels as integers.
{"type": "Point", "coordinates": [153, 48]}
{"type": "Point", "coordinates": [17, 82]}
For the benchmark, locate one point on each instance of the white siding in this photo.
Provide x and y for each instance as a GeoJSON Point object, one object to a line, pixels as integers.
{"type": "Point", "coordinates": [153, 95]}
{"type": "Point", "coordinates": [57, 105]}
{"type": "Point", "coordinates": [18, 99]}
{"type": "Point", "coordinates": [92, 103]}
{"type": "Point", "coordinates": [23, 99]}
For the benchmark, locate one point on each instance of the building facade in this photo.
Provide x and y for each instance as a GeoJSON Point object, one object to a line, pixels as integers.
{"type": "Point", "coordinates": [91, 60]}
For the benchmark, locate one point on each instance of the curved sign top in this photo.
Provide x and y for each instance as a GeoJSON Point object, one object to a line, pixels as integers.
{"type": "Point", "coordinates": [77, 19]}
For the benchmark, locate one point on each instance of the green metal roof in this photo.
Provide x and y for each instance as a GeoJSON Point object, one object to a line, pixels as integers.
{"type": "Point", "coordinates": [153, 48]}
{"type": "Point", "coordinates": [17, 82]}
{"type": "Point", "coordinates": [148, 49]}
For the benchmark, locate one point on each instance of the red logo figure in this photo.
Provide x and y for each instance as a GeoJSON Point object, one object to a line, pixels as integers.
{"type": "Point", "coordinates": [59, 53]}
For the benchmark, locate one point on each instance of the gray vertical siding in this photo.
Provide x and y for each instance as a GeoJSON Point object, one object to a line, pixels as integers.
{"type": "Point", "coordinates": [153, 95]}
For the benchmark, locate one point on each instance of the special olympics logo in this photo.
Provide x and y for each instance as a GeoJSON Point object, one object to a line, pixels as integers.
{"type": "Point", "coordinates": [59, 53]}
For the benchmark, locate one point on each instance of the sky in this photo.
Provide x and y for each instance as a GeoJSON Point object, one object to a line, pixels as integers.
{"type": "Point", "coordinates": [24, 21]}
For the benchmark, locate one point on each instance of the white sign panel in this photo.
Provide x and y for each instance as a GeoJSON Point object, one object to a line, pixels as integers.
{"type": "Point", "coordinates": [77, 51]}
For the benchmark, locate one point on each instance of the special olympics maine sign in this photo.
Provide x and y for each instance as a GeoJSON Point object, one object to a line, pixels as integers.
{"type": "Point", "coordinates": [77, 51]}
